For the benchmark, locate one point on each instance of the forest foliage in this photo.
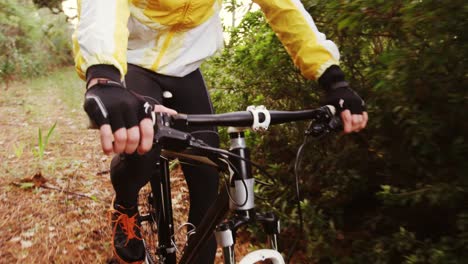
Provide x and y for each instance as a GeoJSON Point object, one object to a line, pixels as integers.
{"type": "Point", "coordinates": [398, 191]}
{"type": "Point", "coordinates": [33, 39]}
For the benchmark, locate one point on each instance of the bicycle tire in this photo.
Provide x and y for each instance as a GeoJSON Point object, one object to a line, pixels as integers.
{"type": "Point", "coordinates": [180, 213]}
{"type": "Point", "coordinates": [148, 222]}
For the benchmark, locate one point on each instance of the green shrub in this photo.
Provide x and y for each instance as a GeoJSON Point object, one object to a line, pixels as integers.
{"type": "Point", "coordinates": [31, 40]}
{"type": "Point", "coordinates": [397, 191]}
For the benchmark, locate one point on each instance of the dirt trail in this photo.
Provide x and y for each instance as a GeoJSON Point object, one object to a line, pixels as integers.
{"type": "Point", "coordinates": [65, 220]}
{"type": "Point", "coordinates": [40, 225]}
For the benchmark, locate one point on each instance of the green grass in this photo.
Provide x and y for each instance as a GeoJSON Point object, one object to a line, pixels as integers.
{"type": "Point", "coordinates": [36, 105]}
{"type": "Point", "coordinates": [68, 156]}
{"type": "Point", "coordinates": [64, 83]}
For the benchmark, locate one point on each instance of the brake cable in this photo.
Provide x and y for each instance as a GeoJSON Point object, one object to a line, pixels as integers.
{"type": "Point", "coordinates": [318, 131]}
{"type": "Point", "coordinates": [297, 163]}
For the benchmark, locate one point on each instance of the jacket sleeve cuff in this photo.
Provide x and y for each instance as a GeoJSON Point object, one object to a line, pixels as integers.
{"type": "Point", "coordinates": [331, 76]}
{"type": "Point", "coordinates": [103, 71]}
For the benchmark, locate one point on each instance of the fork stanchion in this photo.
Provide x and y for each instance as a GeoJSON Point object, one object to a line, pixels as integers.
{"type": "Point", "coordinates": [225, 239]}
{"type": "Point", "coordinates": [271, 226]}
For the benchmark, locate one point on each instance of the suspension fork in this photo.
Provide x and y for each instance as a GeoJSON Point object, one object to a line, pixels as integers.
{"type": "Point", "coordinates": [161, 188]}
{"type": "Point", "coordinates": [241, 187]}
{"type": "Point", "coordinates": [243, 202]}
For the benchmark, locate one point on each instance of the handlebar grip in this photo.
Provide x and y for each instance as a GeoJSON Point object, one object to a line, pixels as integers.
{"type": "Point", "coordinates": [336, 123]}
{"type": "Point", "coordinates": [331, 108]}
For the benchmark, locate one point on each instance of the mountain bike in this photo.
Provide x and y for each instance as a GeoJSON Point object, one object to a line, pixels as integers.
{"type": "Point", "coordinates": [238, 195]}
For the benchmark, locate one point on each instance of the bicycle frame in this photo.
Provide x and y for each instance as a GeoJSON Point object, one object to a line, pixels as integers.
{"type": "Point", "coordinates": [239, 199]}
{"type": "Point", "coordinates": [213, 220]}
{"type": "Point", "coordinates": [162, 203]}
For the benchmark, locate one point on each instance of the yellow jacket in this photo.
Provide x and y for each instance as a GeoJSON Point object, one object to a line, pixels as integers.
{"type": "Point", "coordinates": [173, 37]}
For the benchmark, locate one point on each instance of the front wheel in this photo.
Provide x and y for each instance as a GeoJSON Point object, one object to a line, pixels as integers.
{"type": "Point", "coordinates": [148, 221]}
{"type": "Point", "coordinates": [262, 255]}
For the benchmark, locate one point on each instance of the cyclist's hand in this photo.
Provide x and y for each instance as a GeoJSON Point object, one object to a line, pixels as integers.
{"type": "Point", "coordinates": [350, 106]}
{"type": "Point", "coordinates": [347, 102]}
{"type": "Point", "coordinates": [123, 117]}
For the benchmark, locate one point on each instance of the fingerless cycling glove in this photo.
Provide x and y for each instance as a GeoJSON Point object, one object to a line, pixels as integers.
{"type": "Point", "coordinates": [108, 102]}
{"type": "Point", "coordinates": [338, 93]}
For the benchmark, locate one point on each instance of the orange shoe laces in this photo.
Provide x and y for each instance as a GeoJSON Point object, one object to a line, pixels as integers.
{"type": "Point", "coordinates": [128, 225]}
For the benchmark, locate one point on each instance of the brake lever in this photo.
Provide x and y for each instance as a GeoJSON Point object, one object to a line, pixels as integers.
{"type": "Point", "coordinates": [325, 123]}
{"type": "Point", "coordinates": [171, 138]}
{"type": "Point", "coordinates": [336, 124]}
{"type": "Point", "coordinates": [165, 136]}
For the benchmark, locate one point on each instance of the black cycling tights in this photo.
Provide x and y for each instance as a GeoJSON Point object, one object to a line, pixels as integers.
{"type": "Point", "coordinates": [129, 173]}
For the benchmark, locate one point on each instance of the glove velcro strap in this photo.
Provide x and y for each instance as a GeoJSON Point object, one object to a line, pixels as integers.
{"type": "Point", "coordinates": [342, 84]}
{"type": "Point", "coordinates": [103, 71]}
{"type": "Point", "coordinates": [109, 82]}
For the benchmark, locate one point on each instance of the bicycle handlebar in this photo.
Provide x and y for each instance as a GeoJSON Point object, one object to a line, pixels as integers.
{"type": "Point", "coordinates": [324, 121]}
{"type": "Point", "coordinates": [246, 118]}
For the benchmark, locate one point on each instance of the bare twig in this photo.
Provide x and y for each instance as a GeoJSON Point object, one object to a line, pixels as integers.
{"type": "Point", "coordinates": [46, 186]}
{"type": "Point", "coordinates": [103, 172]}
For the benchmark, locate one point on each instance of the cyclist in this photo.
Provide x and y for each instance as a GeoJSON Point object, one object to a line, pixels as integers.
{"type": "Point", "coordinates": [139, 53]}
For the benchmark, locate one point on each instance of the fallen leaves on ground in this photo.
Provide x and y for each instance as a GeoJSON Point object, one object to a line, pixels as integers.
{"type": "Point", "coordinates": [55, 210]}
